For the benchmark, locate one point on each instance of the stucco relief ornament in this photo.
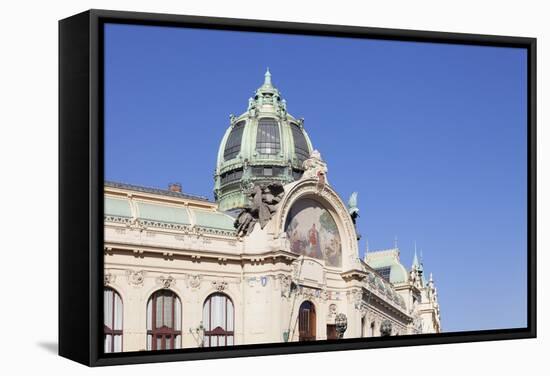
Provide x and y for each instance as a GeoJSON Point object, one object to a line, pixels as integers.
{"type": "Point", "coordinates": [316, 168]}
{"type": "Point", "coordinates": [108, 279]}
{"type": "Point", "coordinates": [285, 281]}
{"type": "Point", "coordinates": [263, 199]}
{"type": "Point", "coordinates": [195, 281]}
{"type": "Point", "coordinates": [135, 278]}
{"type": "Point", "coordinates": [137, 225]}
{"type": "Point", "coordinates": [219, 285]}
{"type": "Point", "coordinates": [166, 282]}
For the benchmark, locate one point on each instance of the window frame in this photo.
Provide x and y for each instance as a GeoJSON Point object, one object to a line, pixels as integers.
{"type": "Point", "coordinates": [298, 133]}
{"type": "Point", "coordinates": [311, 334]}
{"type": "Point", "coordinates": [264, 147]}
{"type": "Point", "coordinates": [218, 331]}
{"type": "Point", "coordinates": [232, 146]}
{"type": "Point", "coordinates": [111, 331]}
{"type": "Point", "coordinates": [164, 332]}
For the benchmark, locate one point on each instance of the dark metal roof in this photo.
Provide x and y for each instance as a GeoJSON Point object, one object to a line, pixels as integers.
{"type": "Point", "coordinates": [157, 191]}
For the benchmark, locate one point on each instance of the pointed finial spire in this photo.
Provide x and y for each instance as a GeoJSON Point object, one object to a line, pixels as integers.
{"type": "Point", "coordinates": [267, 77]}
{"type": "Point", "coordinates": [415, 263]}
{"type": "Point", "coordinates": [395, 242]}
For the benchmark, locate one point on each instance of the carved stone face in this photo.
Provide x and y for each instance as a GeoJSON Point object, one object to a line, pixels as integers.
{"type": "Point", "coordinates": [385, 328]}
{"type": "Point", "coordinates": [341, 322]}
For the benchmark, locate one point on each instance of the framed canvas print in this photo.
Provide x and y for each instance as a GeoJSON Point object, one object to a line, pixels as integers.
{"type": "Point", "coordinates": [236, 187]}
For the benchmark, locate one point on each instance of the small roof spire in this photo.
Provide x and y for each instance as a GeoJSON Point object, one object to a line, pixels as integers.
{"type": "Point", "coordinates": [415, 264]}
{"type": "Point", "coordinates": [267, 77]}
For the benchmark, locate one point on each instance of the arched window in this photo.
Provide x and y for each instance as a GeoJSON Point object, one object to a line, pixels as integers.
{"type": "Point", "coordinates": [233, 144]}
{"type": "Point", "coordinates": [301, 149]}
{"type": "Point", "coordinates": [307, 321]}
{"type": "Point", "coordinates": [371, 333]}
{"type": "Point", "coordinates": [112, 320]}
{"type": "Point", "coordinates": [268, 140]}
{"type": "Point", "coordinates": [363, 324]}
{"type": "Point", "coordinates": [163, 321]}
{"type": "Point", "coordinates": [218, 318]}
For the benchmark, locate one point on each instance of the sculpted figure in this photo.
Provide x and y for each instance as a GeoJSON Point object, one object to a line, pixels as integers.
{"type": "Point", "coordinates": [263, 203]}
{"type": "Point", "coordinates": [315, 168]}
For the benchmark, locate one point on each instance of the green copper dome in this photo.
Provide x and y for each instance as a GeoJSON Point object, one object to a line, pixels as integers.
{"type": "Point", "coordinates": [264, 144]}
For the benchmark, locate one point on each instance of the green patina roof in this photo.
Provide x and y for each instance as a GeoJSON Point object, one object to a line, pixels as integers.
{"type": "Point", "coordinates": [213, 219]}
{"type": "Point", "coordinates": [117, 207]}
{"type": "Point", "coordinates": [265, 144]}
{"type": "Point", "coordinates": [120, 207]}
{"type": "Point", "coordinates": [384, 259]}
{"type": "Point", "coordinates": [162, 213]}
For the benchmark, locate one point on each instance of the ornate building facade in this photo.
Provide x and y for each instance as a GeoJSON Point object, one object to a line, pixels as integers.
{"type": "Point", "coordinates": [274, 258]}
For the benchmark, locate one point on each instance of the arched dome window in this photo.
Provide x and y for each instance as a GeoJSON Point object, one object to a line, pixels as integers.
{"type": "Point", "coordinates": [112, 320]}
{"type": "Point", "coordinates": [301, 148]}
{"type": "Point", "coordinates": [218, 317]}
{"type": "Point", "coordinates": [163, 321]}
{"type": "Point", "coordinates": [233, 144]}
{"type": "Point", "coordinates": [268, 138]}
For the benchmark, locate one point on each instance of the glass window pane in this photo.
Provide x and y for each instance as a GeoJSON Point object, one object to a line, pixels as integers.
{"type": "Point", "coordinates": [268, 137]}
{"type": "Point", "coordinates": [108, 307]}
{"type": "Point", "coordinates": [149, 314]}
{"type": "Point", "coordinates": [206, 315]}
{"type": "Point", "coordinates": [168, 301]}
{"type": "Point", "coordinates": [217, 318]}
{"type": "Point", "coordinates": [117, 346]}
{"type": "Point", "coordinates": [159, 342]}
{"type": "Point", "coordinates": [301, 148]}
{"type": "Point", "coordinates": [108, 343]}
{"type": "Point", "coordinates": [118, 312]}
{"type": "Point", "coordinates": [230, 316]}
{"type": "Point", "coordinates": [177, 318]}
{"type": "Point", "coordinates": [233, 144]}
{"type": "Point", "coordinates": [159, 309]}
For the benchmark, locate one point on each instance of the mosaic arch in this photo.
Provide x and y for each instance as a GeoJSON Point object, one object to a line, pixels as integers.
{"type": "Point", "coordinates": [312, 232]}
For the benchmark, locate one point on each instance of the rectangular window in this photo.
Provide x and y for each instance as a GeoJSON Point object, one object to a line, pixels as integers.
{"type": "Point", "coordinates": [268, 140]}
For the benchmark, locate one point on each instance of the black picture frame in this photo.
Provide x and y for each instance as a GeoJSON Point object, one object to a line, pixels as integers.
{"type": "Point", "coordinates": [81, 186]}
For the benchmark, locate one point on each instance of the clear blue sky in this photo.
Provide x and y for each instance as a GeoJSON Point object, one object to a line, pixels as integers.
{"type": "Point", "coordinates": [432, 136]}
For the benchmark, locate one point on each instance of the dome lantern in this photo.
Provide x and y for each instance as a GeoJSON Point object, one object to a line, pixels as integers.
{"type": "Point", "coordinates": [262, 145]}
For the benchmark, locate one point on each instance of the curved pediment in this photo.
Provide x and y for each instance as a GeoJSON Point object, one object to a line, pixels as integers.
{"type": "Point", "coordinates": [315, 223]}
